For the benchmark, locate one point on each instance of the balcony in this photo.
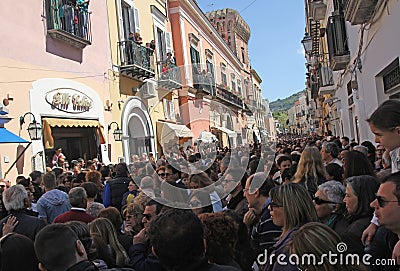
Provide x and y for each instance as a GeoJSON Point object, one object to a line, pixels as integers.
{"type": "Point", "coordinates": [203, 80]}
{"type": "Point", "coordinates": [135, 60]}
{"type": "Point", "coordinates": [68, 24]}
{"type": "Point", "coordinates": [170, 78]}
{"type": "Point", "coordinates": [359, 11]}
{"type": "Point", "coordinates": [227, 97]}
{"type": "Point", "coordinates": [317, 10]}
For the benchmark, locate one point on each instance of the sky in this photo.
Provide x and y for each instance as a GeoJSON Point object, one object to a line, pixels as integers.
{"type": "Point", "coordinates": [275, 49]}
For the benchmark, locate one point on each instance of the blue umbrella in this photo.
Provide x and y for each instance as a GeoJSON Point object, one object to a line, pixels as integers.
{"type": "Point", "coordinates": [8, 137]}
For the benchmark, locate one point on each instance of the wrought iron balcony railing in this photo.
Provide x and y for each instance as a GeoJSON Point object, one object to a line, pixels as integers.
{"type": "Point", "coordinates": [135, 60]}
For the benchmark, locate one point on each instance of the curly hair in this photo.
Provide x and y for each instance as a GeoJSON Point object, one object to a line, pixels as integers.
{"type": "Point", "coordinates": [220, 233]}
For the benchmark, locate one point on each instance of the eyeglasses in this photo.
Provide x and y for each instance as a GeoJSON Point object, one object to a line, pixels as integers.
{"type": "Point", "coordinates": [319, 201]}
{"type": "Point", "coordinates": [382, 202]}
{"type": "Point", "coordinates": [273, 205]}
{"type": "Point", "coordinates": [161, 174]}
{"type": "Point", "coordinates": [147, 216]}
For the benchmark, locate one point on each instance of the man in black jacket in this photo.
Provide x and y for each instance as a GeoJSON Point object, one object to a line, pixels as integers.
{"type": "Point", "coordinates": [116, 188]}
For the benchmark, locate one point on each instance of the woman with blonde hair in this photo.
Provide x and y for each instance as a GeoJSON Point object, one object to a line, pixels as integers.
{"type": "Point", "coordinates": [291, 207]}
{"type": "Point", "coordinates": [310, 171]}
{"type": "Point", "coordinates": [318, 240]}
{"type": "Point", "coordinates": [106, 242]}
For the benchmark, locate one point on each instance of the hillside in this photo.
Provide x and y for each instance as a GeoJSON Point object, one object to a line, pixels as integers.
{"type": "Point", "coordinates": [284, 104]}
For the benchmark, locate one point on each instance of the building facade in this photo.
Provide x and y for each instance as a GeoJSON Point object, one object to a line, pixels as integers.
{"type": "Point", "coordinates": [353, 65]}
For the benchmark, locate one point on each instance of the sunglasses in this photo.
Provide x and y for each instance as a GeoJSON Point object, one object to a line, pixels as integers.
{"type": "Point", "coordinates": [161, 174]}
{"type": "Point", "coordinates": [147, 216]}
{"type": "Point", "coordinates": [273, 205]}
{"type": "Point", "coordinates": [319, 201]}
{"type": "Point", "coordinates": [382, 202]}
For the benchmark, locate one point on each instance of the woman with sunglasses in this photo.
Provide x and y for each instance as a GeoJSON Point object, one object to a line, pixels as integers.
{"type": "Point", "coordinates": [328, 201]}
{"type": "Point", "coordinates": [291, 207]}
{"type": "Point", "coordinates": [360, 192]}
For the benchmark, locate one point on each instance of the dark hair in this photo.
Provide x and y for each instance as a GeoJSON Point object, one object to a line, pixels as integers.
{"type": "Point", "coordinates": [35, 174]}
{"type": "Point", "coordinates": [91, 189]}
{"type": "Point", "coordinates": [394, 178]}
{"type": "Point", "coordinates": [386, 116]}
{"type": "Point", "coordinates": [13, 246]}
{"type": "Point", "coordinates": [220, 233]}
{"type": "Point", "coordinates": [283, 158]}
{"type": "Point", "coordinates": [364, 187]}
{"type": "Point", "coordinates": [55, 247]}
{"type": "Point", "coordinates": [335, 171]}
{"type": "Point", "coordinates": [177, 237]}
{"type": "Point", "coordinates": [346, 138]}
{"type": "Point", "coordinates": [174, 170]}
{"type": "Point", "coordinates": [49, 180]}
{"type": "Point", "coordinates": [158, 205]}
{"type": "Point", "coordinates": [356, 164]}
{"type": "Point", "coordinates": [121, 170]}
{"type": "Point", "coordinates": [288, 173]}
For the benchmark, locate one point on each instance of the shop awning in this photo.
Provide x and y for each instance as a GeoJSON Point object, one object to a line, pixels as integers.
{"type": "Point", "coordinates": [207, 137]}
{"type": "Point", "coordinates": [56, 122]}
{"type": "Point", "coordinates": [48, 123]}
{"type": "Point", "coordinates": [8, 137]}
{"type": "Point", "coordinates": [230, 133]}
{"type": "Point", "coordinates": [170, 131]}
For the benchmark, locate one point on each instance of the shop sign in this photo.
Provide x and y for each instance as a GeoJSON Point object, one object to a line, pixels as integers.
{"type": "Point", "coordinates": [69, 100]}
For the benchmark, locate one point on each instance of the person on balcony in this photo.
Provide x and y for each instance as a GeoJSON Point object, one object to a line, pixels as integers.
{"type": "Point", "coordinates": [83, 16]}
{"type": "Point", "coordinates": [171, 61]}
{"type": "Point", "coordinates": [69, 13]}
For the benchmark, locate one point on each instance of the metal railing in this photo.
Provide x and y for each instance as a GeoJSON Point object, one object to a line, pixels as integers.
{"type": "Point", "coordinates": [72, 19]}
{"type": "Point", "coordinates": [132, 53]}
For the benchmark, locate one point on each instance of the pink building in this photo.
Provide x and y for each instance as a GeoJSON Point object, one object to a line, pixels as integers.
{"type": "Point", "coordinates": [55, 63]}
{"type": "Point", "coordinates": [214, 77]}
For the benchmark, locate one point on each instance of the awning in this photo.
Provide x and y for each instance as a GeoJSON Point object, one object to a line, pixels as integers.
{"type": "Point", "coordinates": [47, 123]}
{"type": "Point", "coordinates": [8, 137]}
{"type": "Point", "coordinates": [56, 122]}
{"type": "Point", "coordinates": [170, 131]}
{"type": "Point", "coordinates": [230, 133]}
{"type": "Point", "coordinates": [207, 137]}
{"type": "Point", "coordinates": [327, 90]}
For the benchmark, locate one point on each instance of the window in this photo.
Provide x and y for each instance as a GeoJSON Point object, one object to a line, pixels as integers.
{"type": "Point", "coordinates": [239, 87]}
{"type": "Point", "coordinates": [391, 76]}
{"type": "Point", "coordinates": [169, 109]}
{"type": "Point", "coordinates": [243, 56]}
{"type": "Point", "coordinates": [130, 18]}
{"type": "Point", "coordinates": [223, 75]}
{"type": "Point", "coordinates": [233, 82]}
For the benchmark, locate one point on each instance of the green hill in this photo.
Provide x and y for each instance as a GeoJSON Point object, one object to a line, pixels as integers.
{"type": "Point", "coordinates": [283, 105]}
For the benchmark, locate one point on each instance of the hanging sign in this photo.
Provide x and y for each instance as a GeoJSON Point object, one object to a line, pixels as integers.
{"type": "Point", "coordinates": [69, 100]}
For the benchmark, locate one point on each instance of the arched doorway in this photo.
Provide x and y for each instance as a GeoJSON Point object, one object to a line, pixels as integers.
{"type": "Point", "coordinates": [137, 129]}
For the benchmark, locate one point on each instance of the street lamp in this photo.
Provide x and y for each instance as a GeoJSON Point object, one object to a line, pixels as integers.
{"type": "Point", "coordinates": [117, 132]}
{"type": "Point", "coordinates": [307, 43]}
{"type": "Point", "coordinates": [34, 128]}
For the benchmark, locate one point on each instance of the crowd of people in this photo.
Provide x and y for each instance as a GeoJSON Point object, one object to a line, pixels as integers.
{"type": "Point", "coordinates": [225, 209]}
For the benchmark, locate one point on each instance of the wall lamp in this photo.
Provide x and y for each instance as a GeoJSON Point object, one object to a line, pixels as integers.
{"type": "Point", "coordinates": [307, 43]}
{"type": "Point", "coordinates": [117, 132]}
{"type": "Point", "coordinates": [34, 128]}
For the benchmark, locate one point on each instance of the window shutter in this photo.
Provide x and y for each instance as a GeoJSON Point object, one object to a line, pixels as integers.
{"type": "Point", "coordinates": [166, 113]}
{"type": "Point", "coordinates": [137, 21]}
{"type": "Point", "coordinates": [131, 20]}
{"type": "Point", "coordinates": [171, 110]}
{"type": "Point", "coordinates": [168, 41]}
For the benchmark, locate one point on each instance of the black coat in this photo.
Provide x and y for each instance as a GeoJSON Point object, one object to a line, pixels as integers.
{"type": "Point", "coordinates": [27, 225]}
